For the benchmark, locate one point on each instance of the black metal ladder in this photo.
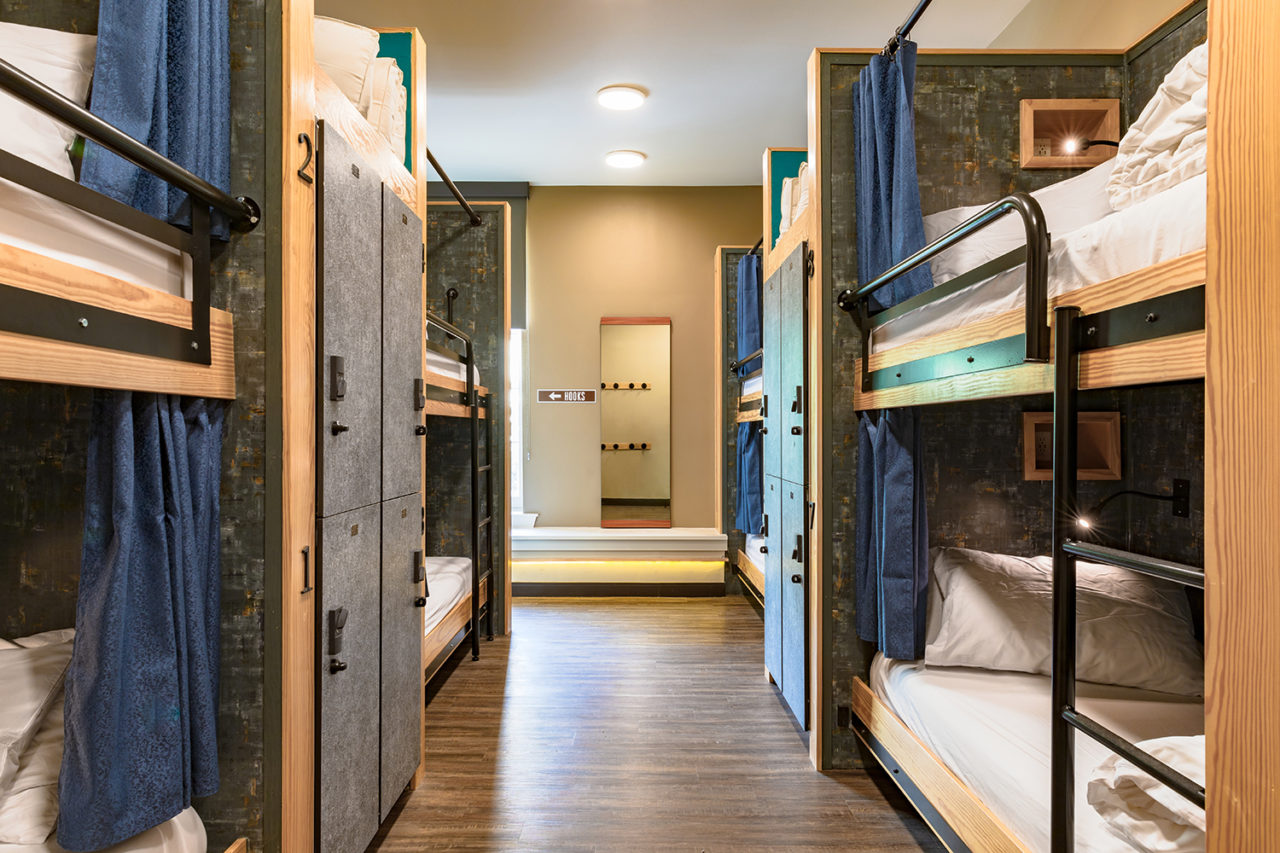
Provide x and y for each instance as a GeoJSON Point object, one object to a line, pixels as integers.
{"type": "Point", "coordinates": [1066, 719]}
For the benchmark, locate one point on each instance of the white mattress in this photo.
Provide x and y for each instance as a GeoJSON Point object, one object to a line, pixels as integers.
{"type": "Point", "coordinates": [755, 550]}
{"type": "Point", "coordinates": [752, 385]}
{"type": "Point", "coordinates": [1163, 227]}
{"type": "Point", "coordinates": [37, 223]}
{"type": "Point", "coordinates": [448, 582]}
{"type": "Point", "coordinates": [992, 730]}
{"type": "Point", "coordinates": [182, 834]}
{"type": "Point", "coordinates": [445, 366]}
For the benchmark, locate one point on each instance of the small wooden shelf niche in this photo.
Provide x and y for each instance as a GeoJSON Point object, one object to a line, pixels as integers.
{"type": "Point", "coordinates": [1052, 130]}
{"type": "Point", "coordinates": [1097, 448]}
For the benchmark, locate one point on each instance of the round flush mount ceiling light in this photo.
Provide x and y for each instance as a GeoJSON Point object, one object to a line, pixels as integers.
{"type": "Point", "coordinates": [621, 97]}
{"type": "Point", "coordinates": [624, 159]}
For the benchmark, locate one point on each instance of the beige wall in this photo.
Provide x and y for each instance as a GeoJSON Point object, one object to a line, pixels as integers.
{"type": "Point", "coordinates": [625, 251]}
{"type": "Point", "coordinates": [639, 354]}
{"type": "Point", "coordinates": [1085, 24]}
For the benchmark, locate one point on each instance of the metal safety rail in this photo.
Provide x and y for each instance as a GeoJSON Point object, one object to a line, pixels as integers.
{"type": "Point", "coordinates": [478, 523]}
{"type": "Point", "coordinates": [453, 188]}
{"type": "Point", "coordinates": [1066, 719]}
{"type": "Point", "coordinates": [1034, 343]}
{"type": "Point", "coordinates": [40, 315]}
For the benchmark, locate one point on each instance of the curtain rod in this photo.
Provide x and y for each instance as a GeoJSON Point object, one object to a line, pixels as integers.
{"type": "Point", "coordinates": [453, 188]}
{"type": "Point", "coordinates": [901, 33]}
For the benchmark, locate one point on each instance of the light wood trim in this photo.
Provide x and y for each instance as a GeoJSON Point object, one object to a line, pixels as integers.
{"type": "Point", "coordinates": [635, 321]}
{"type": "Point", "coordinates": [439, 380]}
{"type": "Point", "coordinates": [753, 573]}
{"type": "Point", "coordinates": [1101, 428]}
{"type": "Point", "coordinates": [1166, 277]}
{"type": "Point", "coordinates": [748, 417]}
{"type": "Point", "coordinates": [791, 238]}
{"type": "Point", "coordinates": [437, 639]}
{"type": "Point", "coordinates": [294, 358]}
{"type": "Point", "coordinates": [42, 274]}
{"type": "Point", "coordinates": [240, 845]}
{"type": "Point", "coordinates": [819, 613]}
{"type": "Point", "coordinates": [504, 435]}
{"type": "Point", "coordinates": [967, 816]}
{"type": "Point", "coordinates": [751, 398]}
{"type": "Point", "coordinates": [1242, 405]}
{"type": "Point", "coordinates": [1167, 359]}
{"type": "Point", "coordinates": [442, 409]}
{"type": "Point", "coordinates": [1108, 127]}
{"type": "Point", "coordinates": [33, 359]}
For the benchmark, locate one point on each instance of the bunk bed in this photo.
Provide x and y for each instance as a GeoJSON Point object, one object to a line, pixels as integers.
{"type": "Point", "coordinates": [1117, 300]}
{"type": "Point", "coordinates": [459, 591]}
{"type": "Point", "coordinates": [97, 294]}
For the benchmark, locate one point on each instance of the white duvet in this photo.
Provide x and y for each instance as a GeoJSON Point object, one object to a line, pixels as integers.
{"type": "Point", "coordinates": [1139, 809]}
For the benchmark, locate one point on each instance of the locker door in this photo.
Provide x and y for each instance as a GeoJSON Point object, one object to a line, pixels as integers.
{"type": "Point", "coordinates": [793, 582]}
{"type": "Point", "coordinates": [402, 699]}
{"type": "Point", "coordinates": [347, 681]}
{"type": "Point", "coordinates": [349, 317]}
{"type": "Point", "coordinates": [773, 593]}
{"type": "Point", "coordinates": [770, 340]}
{"type": "Point", "coordinates": [791, 398]}
{"type": "Point", "coordinates": [402, 404]}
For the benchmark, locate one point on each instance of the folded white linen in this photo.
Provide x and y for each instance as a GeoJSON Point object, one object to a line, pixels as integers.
{"type": "Point", "coordinates": [32, 679]}
{"type": "Point", "coordinates": [1144, 812]}
{"type": "Point", "coordinates": [388, 102]}
{"type": "Point", "coordinates": [30, 809]}
{"type": "Point", "coordinates": [345, 51]}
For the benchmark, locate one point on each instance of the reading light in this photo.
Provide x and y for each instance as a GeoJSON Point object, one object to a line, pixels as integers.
{"type": "Point", "coordinates": [625, 159]}
{"type": "Point", "coordinates": [1072, 145]}
{"type": "Point", "coordinates": [1180, 498]}
{"type": "Point", "coordinates": [621, 97]}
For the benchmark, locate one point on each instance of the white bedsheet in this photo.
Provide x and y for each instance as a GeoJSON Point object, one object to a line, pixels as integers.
{"type": "Point", "coordinates": [182, 834]}
{"type": "Point", "coordinates": [752, 385]}
{"type": "Point", "coordinates": [755, 550]}
{"type": "Point", "coordinates": [992, 730]}
{"type": "Point", "coordinates": [445, 366]}
{"type": "Point", "coordinates": [1157, 229]}
{"type": "Point", "coordinates": [448, 582]}
{"type": "Point", "coordinates": [37, 223]}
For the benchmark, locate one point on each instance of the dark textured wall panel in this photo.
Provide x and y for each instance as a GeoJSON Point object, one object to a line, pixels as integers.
{"type": "Point", "coordinates": [471, 260]}
{"type": "Point", "coordinates": [76, 16]}
{"type": "Point", "coordinates": [732, 387]}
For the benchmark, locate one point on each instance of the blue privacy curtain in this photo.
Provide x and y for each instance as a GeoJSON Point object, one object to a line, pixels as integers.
{"type": "Point", "coordinates": [142, 687]}
{"type": "Point", "coordinates": [750, 470]}
{"type": "Point", "coordinates": [892, 544]}
{"type": "Point", "coordinates": [162, 75]}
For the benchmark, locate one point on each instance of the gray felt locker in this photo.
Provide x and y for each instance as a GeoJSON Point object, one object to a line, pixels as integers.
{"type": "Point", "coordinates": [791, 401]}
{"type": "Point", "coordinates": [402, 405]}
{"type": "Point", "coordinates": [348, 678]}
{"type": "Point", "coordinates": [793, 683]}
{"type": "Point", "coordinates": [770, 336]}
{"type": "Point", "coordinates": [349, 316]}
{"type": "Point", "coordinates": [773, 561]}
{"type": "Point", "coordinates": [401, 645]}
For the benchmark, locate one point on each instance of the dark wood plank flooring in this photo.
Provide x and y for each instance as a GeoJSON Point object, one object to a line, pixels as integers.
{"type": "Point", "coordinates": [632, 724]}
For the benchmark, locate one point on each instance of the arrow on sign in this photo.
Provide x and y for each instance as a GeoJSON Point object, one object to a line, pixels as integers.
{"type": "Point", "coordinates": [554, 396]}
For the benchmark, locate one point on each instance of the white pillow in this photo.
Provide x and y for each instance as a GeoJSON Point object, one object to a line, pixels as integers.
{"type": "Point", "coordinates": [29, 811]}
{"type": "Point", "coordinates": [994, 611]}
{"type": "Point", "coordinates": [1166, 144]}
{"type": "Point", "coordinates": [32, 679]}
{"type": "Point", "coordinates": [46, 638]}
{"type": "Point", "coordinates": [345, 51]}
{"type": "Point", "coordinates": [388, 102]}
{"type": "Point", "coordinates": [64, 63]}
{"type": "Point", "coordinates": [1068, 205]}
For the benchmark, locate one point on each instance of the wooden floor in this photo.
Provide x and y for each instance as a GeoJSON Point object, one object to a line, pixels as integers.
{"type": "Point", "coordinates": [632, 724]}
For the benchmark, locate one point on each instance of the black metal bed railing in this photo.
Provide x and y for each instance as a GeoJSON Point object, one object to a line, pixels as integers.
{"type": "Point", "coordinates": [453, 188]}
{"type": "Point", "coordinates": [1035, 255]}
{"type": "Point", "coordinates": [473, 405]}
{"type": "Point", "coordinates": [57, 318]}
{"type": "Point", "coordinates": [1066, 719]}
{"type": "Point", "coordinates": [741, 362]}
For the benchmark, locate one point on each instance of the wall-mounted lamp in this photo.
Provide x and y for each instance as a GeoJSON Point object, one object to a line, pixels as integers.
{"type": "Point", "coordinates": [1079, 146]}
{"type": "Point", "coordinates": [1180, 497]}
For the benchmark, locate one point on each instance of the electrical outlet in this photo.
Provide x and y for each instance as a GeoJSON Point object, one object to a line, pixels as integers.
{"type": "Point", "coordinates": [1041, 147]}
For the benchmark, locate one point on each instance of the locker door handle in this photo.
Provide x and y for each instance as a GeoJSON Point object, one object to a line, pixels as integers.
{"type": "Point", "coordinates": [764, 430]}
{"type": "Point", "coordinates": [795, 555]}
{"type": "Point", "coordinates": [764, 406]}
{"type": "Point", "coordinates": [420, 601]}
{"type": "Point", "coordinates": [306, 570]}
{"type": "Point", "coordinates": [420, 429]}
{"type": "Point", "coordinates": [797, 405]}
{"type": "Point", "coordinates": [764, 528]}
{"type": "Point", "coordinates": [338, 429]}
{"type": "Point", "coordinates": [797, 579]}
{"type": "Point", "coordinates": [336, 666]}
{"type": "Point", "coordinates": [795, 430]}
{"type": "Point", "coordinates": [764, 549]}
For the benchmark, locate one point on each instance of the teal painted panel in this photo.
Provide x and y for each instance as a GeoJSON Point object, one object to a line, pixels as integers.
{"type": "Point", "coordinates": [791, 399]}
{"type": "Point", "coordinates": [399, 46]}
{"type": "Point", "coordinates": [772, 366]}
{"type": "Point", "coordinates": [773, 578]}
{"type": "Point", "coordinates": [782, 165]}
{"type": "Point", "coordinates": [794, 675]}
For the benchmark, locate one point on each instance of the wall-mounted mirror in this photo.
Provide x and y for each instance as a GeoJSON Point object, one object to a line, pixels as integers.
{"type": "Point", "coordinates": [635, 422]}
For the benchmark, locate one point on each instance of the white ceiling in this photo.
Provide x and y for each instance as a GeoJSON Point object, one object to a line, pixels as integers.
{"type": "Point", "coordinates": [511, 83]}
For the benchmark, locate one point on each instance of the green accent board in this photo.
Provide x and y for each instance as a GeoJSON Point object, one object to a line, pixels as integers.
{"type": "Point", "coordinates": [399, 46]}
{"type": "Point", "coordinates": [782, 165]}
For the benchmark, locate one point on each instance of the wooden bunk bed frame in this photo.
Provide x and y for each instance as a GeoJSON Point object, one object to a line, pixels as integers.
{"type": "Point", "coordinates": [68, 325]}
{"type": "Point", "coordinates": [1235, 280]}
